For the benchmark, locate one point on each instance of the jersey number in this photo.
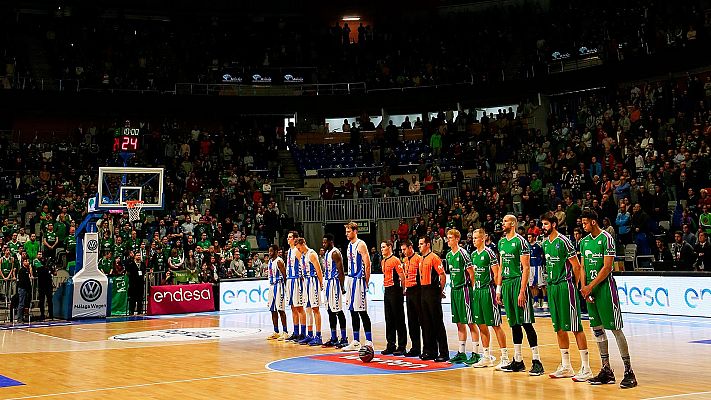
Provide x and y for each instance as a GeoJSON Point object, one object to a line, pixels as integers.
{"type": "Point", "coordinates": [506, 270]}
{"type": "Point", "coordinates": [593, 274]}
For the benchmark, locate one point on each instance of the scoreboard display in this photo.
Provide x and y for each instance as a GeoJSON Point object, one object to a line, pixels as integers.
{"type": "Point", "coordinates": [127, 140]}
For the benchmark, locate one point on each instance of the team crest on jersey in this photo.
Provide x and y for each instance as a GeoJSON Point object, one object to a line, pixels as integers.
{"type": "Point", "coordinates": [350, 364]}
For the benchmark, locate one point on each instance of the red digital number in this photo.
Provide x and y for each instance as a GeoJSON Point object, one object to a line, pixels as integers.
{"type": "Point", "coordinates": [116, 144]}
{"type": "Point", "coordinates": [128, 143]}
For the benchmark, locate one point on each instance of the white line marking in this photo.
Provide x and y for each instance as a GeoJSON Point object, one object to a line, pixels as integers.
{"type": "Point", "coordinates": [140, 385]}
{"type": "Point", "coordinates": [676, 395]}
{"type": "Point", "coordinates": [170, 324]}
{"type": "Point", "coordinates": [50, 336]}
{"type": "Point", "coordinates": [145, 346]}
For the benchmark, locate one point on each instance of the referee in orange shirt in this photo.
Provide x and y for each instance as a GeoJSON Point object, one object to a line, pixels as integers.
{"type": "Point", "coordinates": [411, 261]}
{"type": "Point", "coordinates": [393, 275]}
{"type": "Point", "coordinates": [434, 334]}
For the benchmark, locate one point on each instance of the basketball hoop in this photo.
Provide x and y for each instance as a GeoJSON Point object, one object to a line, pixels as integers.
{"type": "Point", "coordinates": [134, 209]}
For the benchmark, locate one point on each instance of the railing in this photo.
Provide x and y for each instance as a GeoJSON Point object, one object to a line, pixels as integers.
{"type": "Point", "coordinates": [368, 208]}
{"type": "Point", "coordinates": [449, 193]}
{"type": "Point", "coordinates": [233, 89]}
{"type": "Point", "coordinates": [8, 288]}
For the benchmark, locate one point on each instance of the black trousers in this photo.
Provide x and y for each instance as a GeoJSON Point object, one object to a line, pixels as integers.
{"type": "Point", "coordinates": [395, 318]}
{"type": "Point", "coordinates": [135, 296]}
{"type": "Point", "coordinates": [44, 287]}
{"type": "Point", "coordinates": [434, 335]}
{"type": "Point", "coordinates": [414, 311]}
{"type": "Point", "coordinates": [135, 302]}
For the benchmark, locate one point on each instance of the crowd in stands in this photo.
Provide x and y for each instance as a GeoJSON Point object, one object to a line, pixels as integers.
{"type": "Point", "coordinates": [638, 156]}
{"type": "Point", "coordinates": [219, 206]}
{"type": "Point", "coordinates": [154, 53]}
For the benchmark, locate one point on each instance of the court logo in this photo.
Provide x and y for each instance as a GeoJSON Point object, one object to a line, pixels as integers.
{"type": "Point", "coordinates": [90, 290]}
{"type": "Point", "coordinates": [92, 245]}
{"type": "Point", "coordinates": [188, 335]}
{"type": "Point", "coordinates": [350, 364]}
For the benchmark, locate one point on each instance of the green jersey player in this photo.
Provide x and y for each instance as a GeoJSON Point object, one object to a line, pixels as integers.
{"type": "Point", "coordinates": [461, 275]}
{"type": "Point", "coordinates": [600, 290]}
{"type": "Point", "coordinates": [486, 311]}
{"type": "Point", "coordinates": [563, 272]}
{"type": "Point", "coordinates": [515, 296]}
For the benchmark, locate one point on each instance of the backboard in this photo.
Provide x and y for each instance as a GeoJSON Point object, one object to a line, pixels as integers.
{"type": "Point", "coordinates": [116, 185]}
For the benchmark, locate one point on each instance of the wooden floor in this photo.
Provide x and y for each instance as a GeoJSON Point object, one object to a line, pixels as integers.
{"type": "Point", "coordinates": [79, 361]}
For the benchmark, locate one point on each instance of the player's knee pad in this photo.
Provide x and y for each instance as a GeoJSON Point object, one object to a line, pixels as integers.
{"type": "Point", "coordinates": [599, 333]}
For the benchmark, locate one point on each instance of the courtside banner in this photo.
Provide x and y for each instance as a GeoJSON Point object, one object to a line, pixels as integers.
{"type": "Point", "coordinates": [244, 295]}
{"type": "Point", "coordinates": [254, 294]}
{"type": "Point", "coordinates": [665, 295]}
{"type": "Point", "coordinates": [180, 299]}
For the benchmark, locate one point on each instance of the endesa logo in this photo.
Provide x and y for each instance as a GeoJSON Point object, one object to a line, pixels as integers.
{"type": "Point", "coordinates": [181, 295]}
{"type": "Point", "coordinates": [350, 364]}
{"type": "Point", "coordinates": [256, 295]}
{"type": "Point", "coordinates": [649, 296]}
{"type": "Point", "coordinates": [694, 297]}
{"type": "Point", "coordinates": [667, 295]}
{"type": "Point", "coordinates": [180, 299]}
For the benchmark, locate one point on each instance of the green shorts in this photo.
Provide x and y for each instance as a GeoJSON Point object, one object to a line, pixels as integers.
{"type": "Point", "coordinates": [605, 309]}
{"type": "Point", "coordinates": [461, 305]}
{"type": "Point", "coordinates": [484, 307]}
{"type": "Point", "coordinates": [510, 288]}
{"type": "Point", "coordinates": [564, 307]}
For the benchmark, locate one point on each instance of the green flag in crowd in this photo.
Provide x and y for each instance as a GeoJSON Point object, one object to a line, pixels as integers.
{"type": "Point", "coordinates": [119, 295]}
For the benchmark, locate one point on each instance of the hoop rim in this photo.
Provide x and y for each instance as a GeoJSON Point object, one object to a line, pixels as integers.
{"type": "Point", "coordinates": [133, 203]}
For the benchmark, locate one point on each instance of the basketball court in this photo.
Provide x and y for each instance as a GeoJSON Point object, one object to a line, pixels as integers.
{"type": "Point", "coordinates": [185, 357]}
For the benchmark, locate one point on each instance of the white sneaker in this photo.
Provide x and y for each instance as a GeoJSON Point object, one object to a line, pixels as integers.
{"type": "Point", "coordinates": [544, 305]}
{"type": "Point", "coordinates": [562, 372]}
{"type": "Point", "coordinates": [583, 375]}
{"type": "Point", "coordinates": [503, 362]}
{"type": "Point", "coordinates": [485, 362]}
{"type": "Point", "coordinates": [354, 346]}
{"type": "Point", "coordinates": [368, 343]}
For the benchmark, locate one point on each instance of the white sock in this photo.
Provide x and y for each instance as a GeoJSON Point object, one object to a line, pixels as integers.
{"type": "Point", "coordinates": [534, 352]}
{"type": "Point", "coordinates": [462, 346]}
{"type": "Point", "coordinates": [565, 357]}
{"type": "Point", "coordinates": [517, 353]}
{"type": "Point", "coordinates": [487, 352]}
{"type": "Point", "coordinates": [505, 353]}
{"type": "Point", "coordinates": [585, 357]}
{"type": "Point", "coordinates": [475, 347]}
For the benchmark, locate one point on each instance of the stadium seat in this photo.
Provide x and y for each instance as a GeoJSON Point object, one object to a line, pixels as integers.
{"type": "Point", "coordinates": [253, 242]}
{"type": "Point", "coordinates": [630, 254]}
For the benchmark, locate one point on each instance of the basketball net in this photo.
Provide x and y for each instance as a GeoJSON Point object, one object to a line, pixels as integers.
{"type": "Point", "coordinates": [134, 209]}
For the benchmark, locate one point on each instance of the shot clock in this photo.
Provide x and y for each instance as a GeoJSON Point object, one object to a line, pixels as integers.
{"type": "Point", "coordinates": [127, 140]}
